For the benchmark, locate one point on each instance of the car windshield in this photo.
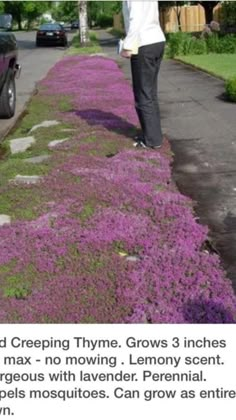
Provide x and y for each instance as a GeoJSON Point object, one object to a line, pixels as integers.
{"type": "Point", "coordinates": [51, 27]}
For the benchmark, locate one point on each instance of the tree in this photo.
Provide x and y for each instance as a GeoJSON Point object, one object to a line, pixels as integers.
{"type": "Point", "coordinates": [83, 22]}
{"type": "Point", "coordinates": [66, 11]}
{"type": "Point", "coordinates": [98, 10]}
{"type": "Point", "coordinates": [15, 8]}
{"type": "Point", "coordinates": [74, 10]}
{"type": "Point", "coordinates": [34, 9]}
{"type": "Point", "coordinates": [28, 10]}
{"type": "Point", "coordinates": [229, 13]}
{"type": "Point", "coordinates": [208, 7]}
{"type": "Point", "coordinates": [94, 8]}
{"type": "Point", "coordinates": [178, 5]}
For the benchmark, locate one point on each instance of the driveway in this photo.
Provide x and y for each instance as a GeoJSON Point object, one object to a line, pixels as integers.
{"type": "Point", "coordinates": [201, 126]}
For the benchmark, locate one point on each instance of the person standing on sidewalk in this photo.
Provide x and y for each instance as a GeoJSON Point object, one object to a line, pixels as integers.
{"type": "Point", "coordinates": [144, 44]}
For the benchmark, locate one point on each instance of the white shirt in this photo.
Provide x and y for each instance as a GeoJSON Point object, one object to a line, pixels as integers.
{"type": "Point", "coordinates": [142, 24]}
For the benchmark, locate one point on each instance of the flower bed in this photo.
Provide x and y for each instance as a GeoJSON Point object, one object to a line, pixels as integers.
{"type": "Point", "coordinates": [114, 241]}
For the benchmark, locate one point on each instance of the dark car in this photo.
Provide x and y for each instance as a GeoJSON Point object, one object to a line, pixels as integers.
{"type": "Point", "coordinates": [9, 69]}
{"type": "Point", "coordinates": [66, 26]}
{"type": "Point", "coordinates": [51, 34]}
{"type": "Point", "coordinates": [75, 24]}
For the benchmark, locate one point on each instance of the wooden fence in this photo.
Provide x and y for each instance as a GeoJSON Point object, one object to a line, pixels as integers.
{"type": "Point", "coordinates": [192, 18]}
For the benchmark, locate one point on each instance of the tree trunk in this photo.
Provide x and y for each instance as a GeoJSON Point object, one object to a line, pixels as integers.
{"type": "Point", "coordinates": [209, 13]}
{"type": "Point", "coordinates": [19, 23]}
{"type": "Point", "coordinates": [208, 7]}
{"type": "Point", "coordinates": [83, 23]}
{"type": "Point", "coordinates": [178, 12]}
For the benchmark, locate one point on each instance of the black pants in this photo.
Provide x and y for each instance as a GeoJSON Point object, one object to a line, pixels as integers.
{"type": "Point", "coordinates": [145, 68]}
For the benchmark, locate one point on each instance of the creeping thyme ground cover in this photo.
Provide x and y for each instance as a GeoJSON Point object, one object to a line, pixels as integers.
{"type": "Point", "coordinates": [105, 236]}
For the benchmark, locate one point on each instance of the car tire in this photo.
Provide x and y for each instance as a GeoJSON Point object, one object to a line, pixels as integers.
{"type": "Point", "coordinates": [8, 96]}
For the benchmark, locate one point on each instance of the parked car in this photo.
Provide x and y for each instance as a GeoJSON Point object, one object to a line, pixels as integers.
{"type": "Point", "coordinates": [6, 22]}
{"type": "Point", "coordinates": [66, 26]}
{"type": "Point", "coordinates": [75, 24]}
{"type": "Point", "coordinates": [9, 68]}
{"type": "Point", "coordinates": [51, 34]}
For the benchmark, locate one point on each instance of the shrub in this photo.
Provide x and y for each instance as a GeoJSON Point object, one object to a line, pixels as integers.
{"type": "Point", "coordinates": [198, 46]}
{"type": "Point", "coordinates": [105, 21]}
{"type": "Point", "coordinates": [178, 44]}
{"type": "Point", "coordinates": [229, 13]}
{"type": "Point", "coordinates": [230, 88]}
{"type": "Point", "coordinates": [213, 43]}
{"type": "Point", "coordinates": [93, 37]}
{"type": "Point", "coordinates": [221, 45]}
{"type": "Point", "coordinates": [43, 20]}
{"type": "Point", "coordinates": [228, 44]}
{"type": "Point", "coordinates": [185, 44]}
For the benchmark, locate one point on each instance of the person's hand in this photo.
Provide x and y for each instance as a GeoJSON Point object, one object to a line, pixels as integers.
{"type": "Point", "coordinates": [126, 53]}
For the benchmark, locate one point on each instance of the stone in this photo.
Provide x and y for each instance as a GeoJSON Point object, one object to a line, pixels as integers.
{"type": "Point", "coordinates": [37, 159]}
{"type": "Point", "coordinates": [133, 258]}
{"type": "Point", "coordinates": [189, 168]}
{"type": "Point", "coordinates": [54, 143]}
{"type": "Point", "coordinates": [21, 144]}
{"type": "Point", "coordinates": [4, 219]}
{"type": "Point", "coordinates": [98, 55]}
{"type": "Point", "coordinates": [44, 124]}
{"type": "Point", "coordinates": [27, 179]}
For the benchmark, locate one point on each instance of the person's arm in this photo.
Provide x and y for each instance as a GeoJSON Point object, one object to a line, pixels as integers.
{"type": "Point", "coordinates": [135, 10]}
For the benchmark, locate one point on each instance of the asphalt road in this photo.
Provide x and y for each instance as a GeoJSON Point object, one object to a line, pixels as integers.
{"type": "Point", "coordinates": [35, 63]}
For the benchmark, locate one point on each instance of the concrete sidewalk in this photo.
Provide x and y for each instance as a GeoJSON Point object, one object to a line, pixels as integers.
{"type": "Point", "coordinates": [201, 127]}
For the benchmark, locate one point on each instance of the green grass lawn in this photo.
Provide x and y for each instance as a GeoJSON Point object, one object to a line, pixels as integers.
{"type": "Point", "coordinates": [221, 65]}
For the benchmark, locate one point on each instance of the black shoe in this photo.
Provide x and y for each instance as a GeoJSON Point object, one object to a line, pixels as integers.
{"type": "Point", "coordinates": [139, 137]}
{"type": "Point", "coordinates": [140, 142]}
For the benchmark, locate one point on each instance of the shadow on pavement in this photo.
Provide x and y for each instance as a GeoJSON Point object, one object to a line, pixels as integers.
{"type": "Point", "coordinates": [26, 44]}
{"type": "Point", "coordinates": [224, 98]}
{"type": "Point", "coordinates": [31, 45]}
